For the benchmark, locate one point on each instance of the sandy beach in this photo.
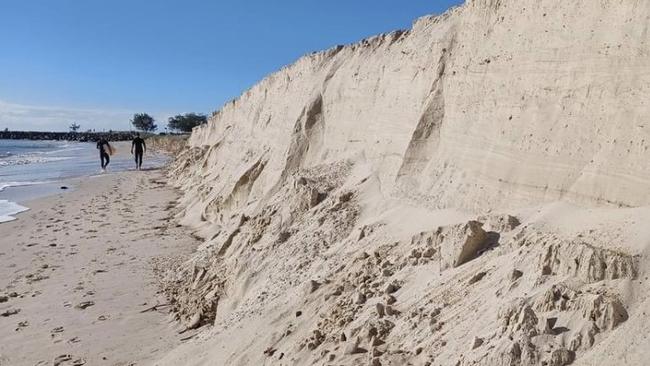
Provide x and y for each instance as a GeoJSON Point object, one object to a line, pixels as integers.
{"type": "Point", "coordinates": [470, 191]}
{"type": "Point", "coordinates": [77, 282]}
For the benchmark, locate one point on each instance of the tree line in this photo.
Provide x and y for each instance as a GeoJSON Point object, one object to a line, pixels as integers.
{"type": "Point", "coordinates": [181, 123]}
{"type": "Point", "coordinates": [144, 122]}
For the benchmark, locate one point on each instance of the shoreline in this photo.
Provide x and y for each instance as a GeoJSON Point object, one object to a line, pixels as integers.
{"type": "Point", "coordinates": [39, 180]}
{"type": "Point", "coordinates": [77, 273]}
{"type": "Point", "coordinates": [10, 210]}
{"type": "Point", "coordinates": [24, 195]}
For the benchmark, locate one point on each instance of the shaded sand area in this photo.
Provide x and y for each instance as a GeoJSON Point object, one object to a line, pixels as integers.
{"type": "Point", "coordinates": [77, 282]}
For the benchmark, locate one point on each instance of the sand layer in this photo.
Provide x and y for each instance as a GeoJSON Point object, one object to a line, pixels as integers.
{"type": "Point", "coordinates": [77, 282]}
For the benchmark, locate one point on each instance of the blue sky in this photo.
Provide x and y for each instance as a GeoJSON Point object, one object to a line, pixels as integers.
{"type": "Point", "coordinates": [98, 61]}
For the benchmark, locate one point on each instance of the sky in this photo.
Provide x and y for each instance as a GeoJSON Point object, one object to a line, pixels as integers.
{"type": "Point", "coordinates": [96, 62]}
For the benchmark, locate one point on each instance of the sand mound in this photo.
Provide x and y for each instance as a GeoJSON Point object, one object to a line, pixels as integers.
{"type": "Point", "coordinates": [469, 192]}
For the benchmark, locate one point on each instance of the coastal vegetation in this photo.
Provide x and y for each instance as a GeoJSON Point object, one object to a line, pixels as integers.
{"type": "Point", "coordinates": [144, 122]}
{"type": "Point", "coordinates": [186, 122]}
{"type": "Point", "coordinates": [74, 127]}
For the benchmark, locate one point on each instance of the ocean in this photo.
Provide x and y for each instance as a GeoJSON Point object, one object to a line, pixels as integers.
{"type": "Point", "coordinates": [26, 163]}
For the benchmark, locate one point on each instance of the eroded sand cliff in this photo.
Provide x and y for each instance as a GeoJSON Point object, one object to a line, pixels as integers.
{"type": "Point", "coordinates": [471, 191]}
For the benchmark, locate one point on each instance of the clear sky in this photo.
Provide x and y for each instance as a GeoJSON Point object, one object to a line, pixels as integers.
{"type": "Point", "coordinates": [96, 62]}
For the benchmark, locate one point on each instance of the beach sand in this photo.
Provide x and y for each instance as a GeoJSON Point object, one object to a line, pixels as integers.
{"type": "Point", "coordinates": [473, 191]}
{"type": "Point", "coordinates": [77, 283]}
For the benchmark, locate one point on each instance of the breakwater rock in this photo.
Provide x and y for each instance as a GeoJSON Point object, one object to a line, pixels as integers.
{"type": "Point", "coordinates": [67, 136]}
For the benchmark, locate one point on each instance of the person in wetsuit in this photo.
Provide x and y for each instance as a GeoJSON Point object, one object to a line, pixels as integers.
{"type": "Point", "coordinates": [140, 148]}
{"type": "Point", "coordinates": [104, 156]}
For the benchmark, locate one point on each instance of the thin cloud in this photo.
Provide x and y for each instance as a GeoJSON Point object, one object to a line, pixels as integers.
{"type": "Point", "coordinates": [47, 118]}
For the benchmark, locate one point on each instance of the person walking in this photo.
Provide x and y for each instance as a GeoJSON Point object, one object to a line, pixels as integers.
{"type": "Point", "coordinates": [104, 152]}
{"type": "Point", "coordinates": [140, 148]}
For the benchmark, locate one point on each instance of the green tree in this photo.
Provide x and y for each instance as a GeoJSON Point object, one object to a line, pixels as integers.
{"type": "Point", "coordinates": [74, 127]}
{"type": "Point", "coordinates": [186, 122]}
{"type": "Point", "coordinates": [143, 122]}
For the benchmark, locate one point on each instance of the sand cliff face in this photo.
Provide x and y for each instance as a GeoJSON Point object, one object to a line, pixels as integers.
{"type": "Point", "coordinates": [397, 200]}
{"type": "Point", "coordinates": [525, 100]}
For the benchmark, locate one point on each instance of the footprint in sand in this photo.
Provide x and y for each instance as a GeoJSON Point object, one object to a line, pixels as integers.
{"type": "Point", "coordinates": [9, 312]}
{"type": "Point", "coordinates": [55, 331]}
{"type": "Point", "coordinates": [85, 304]}
{"type": "Point", "coordinates": [31, 278]}
{"type": "Point", "coordinates": [61, 359]}
{"type": "Point", "coordinates": [21, 325]}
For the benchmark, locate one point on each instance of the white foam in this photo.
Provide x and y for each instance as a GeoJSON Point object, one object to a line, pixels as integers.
{"type": "Point", "coordinates": [31, 159]}
{"type": "Point", "coordinates": [8, 209]}
{"type": "Point", "coordinates": [65, 148]}
{"type": "Point", "coordinates": [4, 185]}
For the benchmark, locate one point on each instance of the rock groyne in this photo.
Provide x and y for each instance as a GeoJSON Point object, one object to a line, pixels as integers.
{"type": "Point", "coordinates": [67, 136]}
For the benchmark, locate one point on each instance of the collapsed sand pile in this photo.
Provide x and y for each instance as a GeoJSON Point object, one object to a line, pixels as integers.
{"type": "Point", "coordinates": [461, 193]}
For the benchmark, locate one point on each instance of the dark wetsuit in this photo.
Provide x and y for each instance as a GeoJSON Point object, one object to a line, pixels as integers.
{"type": "Point", "coordinates": [140, 147]}
{"type": "Point", "coordinates": [104, 157]}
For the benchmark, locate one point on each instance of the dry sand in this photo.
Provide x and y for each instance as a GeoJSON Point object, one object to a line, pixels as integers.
{"type": "Point", "coordinates": [77, 273]}
{"type": "Point", "coordinates": [472, 191]}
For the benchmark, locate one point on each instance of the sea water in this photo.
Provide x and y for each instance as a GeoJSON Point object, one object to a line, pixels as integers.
{"type": "Point", "coordinates": [26, 163]}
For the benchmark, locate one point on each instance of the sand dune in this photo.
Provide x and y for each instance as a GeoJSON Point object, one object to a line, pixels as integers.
{"type": "Point", "coordinates": [468, 192]}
